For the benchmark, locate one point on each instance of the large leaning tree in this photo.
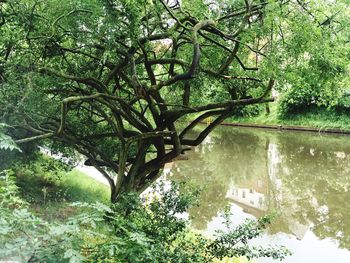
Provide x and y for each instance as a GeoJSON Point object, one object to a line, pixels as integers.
{"type": "Point", "coordinates": [112, 79]}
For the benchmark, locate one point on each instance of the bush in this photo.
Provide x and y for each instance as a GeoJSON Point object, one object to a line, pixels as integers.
{"type": "Point", "coordinates": [300, 101]}
{"type": "Point", "coordinates": [343, 104]}
{"type": "Point", "coordinates": [250, 110]}
{"type": "Point", "coordinates": [296, 101]}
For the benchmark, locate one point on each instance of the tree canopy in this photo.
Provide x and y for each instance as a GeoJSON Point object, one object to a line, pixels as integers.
{"type": "Point", "coordinates": [112, 80]}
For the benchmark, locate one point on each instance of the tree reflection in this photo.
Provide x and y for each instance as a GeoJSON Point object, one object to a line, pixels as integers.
{"type": "Point", "coordinates": [315, 173]}
{"type": "Point", "coordinates": [306, 177]}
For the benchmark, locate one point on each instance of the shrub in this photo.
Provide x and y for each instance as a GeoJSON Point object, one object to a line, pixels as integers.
{"type": "Point", "coordinates": [343, 104]}
{"type": "Point", "coordinates": [296, 101]}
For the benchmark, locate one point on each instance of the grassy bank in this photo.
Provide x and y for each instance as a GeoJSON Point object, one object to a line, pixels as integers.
{"type": "Point", "coordinates": [49, 193]}
{"type": "Point", "coordinates": [319, 118]}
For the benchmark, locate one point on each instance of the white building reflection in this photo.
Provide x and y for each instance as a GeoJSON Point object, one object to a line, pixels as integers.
{"type": "Point", "coordinates": [254, 196]}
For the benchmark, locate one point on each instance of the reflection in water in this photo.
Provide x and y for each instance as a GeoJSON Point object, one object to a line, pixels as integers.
{"type": "Point", "coordinates": [304, 177]}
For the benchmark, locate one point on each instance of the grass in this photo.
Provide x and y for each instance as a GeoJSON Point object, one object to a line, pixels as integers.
{"type": "Point", "coordinates": [49, 194]}
{"type": "Point", "coordinates": [81, 187]}
{"type": "Point", "coordinates": [319, 118]}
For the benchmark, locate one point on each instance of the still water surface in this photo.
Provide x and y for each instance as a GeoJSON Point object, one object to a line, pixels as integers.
{"type": "Point", "coordinates": [304, 177]}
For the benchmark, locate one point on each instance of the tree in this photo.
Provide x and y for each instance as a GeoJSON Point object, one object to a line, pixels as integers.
{"type": "Point", "coordinates": [97, 76]}
{"type": "Point", "coordinates": [112, 79]}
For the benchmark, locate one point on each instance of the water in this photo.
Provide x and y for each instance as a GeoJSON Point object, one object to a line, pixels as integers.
{"type": "Point", "coordinates": [304, 177]}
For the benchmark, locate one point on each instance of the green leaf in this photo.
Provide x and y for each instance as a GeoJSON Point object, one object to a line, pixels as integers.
{"type": "Point", "coordinates": [73, 256]}
{"type": "Point", "coordinates": [6, 142]}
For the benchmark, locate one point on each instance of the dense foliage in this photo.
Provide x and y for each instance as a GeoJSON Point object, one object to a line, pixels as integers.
{"type": "Point", "coordinates": [130, 231]}
{"type": "Point", "coordinates": [314, 57]}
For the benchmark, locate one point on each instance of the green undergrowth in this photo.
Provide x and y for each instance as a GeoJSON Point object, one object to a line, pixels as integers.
{"type": "Point", "coordinates": [320, 118]}
{"type": "Point", "coordinates": [128, 231]}
{"type": "Point", "coordinates": [51, 214]}
{"type": "Point", "coordinates": [50, 190]}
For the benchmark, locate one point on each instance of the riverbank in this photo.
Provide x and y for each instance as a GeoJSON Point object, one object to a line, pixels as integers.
{"type": "Point", "coordinates": [49, 192]}
{"type": "Point", "coordinates": [315, 120]}
{"type": "Point", "coordinates": [287, 127]}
